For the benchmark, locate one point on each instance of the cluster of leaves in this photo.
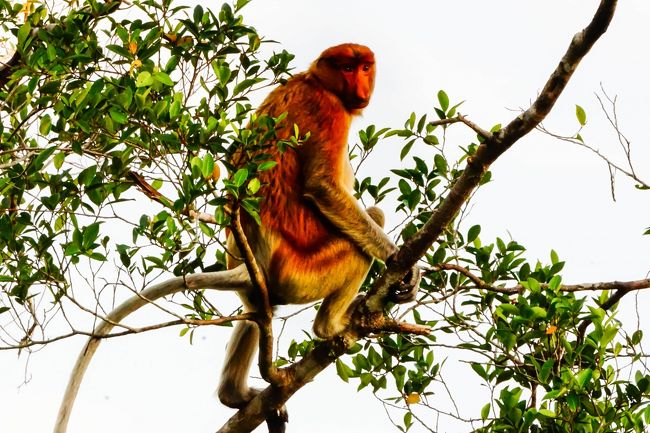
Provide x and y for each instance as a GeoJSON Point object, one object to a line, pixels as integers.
{"type": "Point", "coordinates": [107, 96]}
{"type": "Point", "coordinates": [548, 356]}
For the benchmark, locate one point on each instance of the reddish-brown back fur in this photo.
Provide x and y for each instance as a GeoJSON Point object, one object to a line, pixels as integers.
{"type": "Point", "coordinates": [316, 102]}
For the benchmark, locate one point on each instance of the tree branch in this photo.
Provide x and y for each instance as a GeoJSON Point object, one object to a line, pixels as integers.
{"type": "Point", "coordinates": [156, 196]}
{"type": "Point", "coordinates": [488, 152]}
{"type": "Point", "coordinates": [234, 279]}
{"type": "Point", "coordinates": [268, 371]}
{"type": "Point", "coordinates": [627, 286]}
{"type": "Point", "coordinates": [460, 118]}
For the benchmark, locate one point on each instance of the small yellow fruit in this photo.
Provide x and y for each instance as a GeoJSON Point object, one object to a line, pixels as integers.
{"type": "Point", "coordinates": [413, 398]}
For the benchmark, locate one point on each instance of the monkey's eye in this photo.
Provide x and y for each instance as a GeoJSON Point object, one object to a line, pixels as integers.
{"type": "Point", "coordinates": [347, 68]}
{"type": "Point", "coordinates": [366, 68]}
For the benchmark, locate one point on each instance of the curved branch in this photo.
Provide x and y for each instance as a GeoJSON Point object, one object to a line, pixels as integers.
{"type": "Point", "coordinates": [234, 279]}
{"type": "Point", "coordinates": [268, 370]}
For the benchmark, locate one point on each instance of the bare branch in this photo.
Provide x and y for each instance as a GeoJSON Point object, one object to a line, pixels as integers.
{"type": "Point", "coordinates": [156, 196]}
{"type": "Point", "coordinates": [460, 118]}
{"type": "Point", "coordinates": [131, 330]}
{"type": "Point", "coordinates": [234, 279]}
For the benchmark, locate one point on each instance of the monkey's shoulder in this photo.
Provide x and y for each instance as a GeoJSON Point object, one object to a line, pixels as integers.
{"type": "Point", "coordinates": [301, 97]}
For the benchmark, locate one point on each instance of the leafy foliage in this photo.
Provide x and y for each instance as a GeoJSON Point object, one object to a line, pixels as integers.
{"type": "Point", "coordinates": [154, 95]}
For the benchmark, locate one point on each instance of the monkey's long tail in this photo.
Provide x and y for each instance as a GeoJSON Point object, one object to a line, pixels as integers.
{"type": "Point", "coordinates": [234, 279]}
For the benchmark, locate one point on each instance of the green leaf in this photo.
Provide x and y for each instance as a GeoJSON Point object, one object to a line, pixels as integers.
{"type": "Point", "coordinates": [240, 4]}
{"type": "Point", "coordinates": [554, 257]}
{"type": "Point", "coordinates": [90, 234]}
{"type": "Point", "coordinates": [485, 411]}
{"type": "Point", "coordinates": [198, 14]}
{"type": "Point", "coordinates": [46, 124]}
{"type": "Point", "coordinates": [240, 177]}
{"type": "Point", "coordinates": [118, 115]}
{"type": "Point", "coordinates": [163, 78]}
{"type": "Point", "coordinates": [546, 370]}
{"type": "Point", "coordinates": [174, 109]}
{"type": "Point", "coordinates": [87, 175]}
{"type": "Point", "coordinates": [440, 163]}
{"type": "Point", "coordinates": [245, 84]}
{"type": "Point", "coordinates": [443, 99]}
{"type": "Point", "coordinates": [343, 370]}
{"type": "Point", "coordinates": [224, 73]}
{"type": "Point", "coordinates": [479, 369]}
{"type": "Point", "coordinates": [473, 233]}
{"type": "Point", "coordinates": [58, 160]}
{"type": "Point", "coordinates": [253, 186]}
{"type": "Point", "coordinates": [509, 309]}
{"type": "Point", "coordinates": [547, 413]}
{"type": "Point", "coordinates": [406, 149]}
{"type": "Point", "coordinates": [266, 165]}
{"type": "Point", "coordinates": [207, 166]}
{"type": "Point", "coordinates": [144, 79]}
{"type": "Point", "coordinates": [581, 115]}
{"type": "Point", "coordinates": [43, 157]}
{"type": "Point", "coordinates": [584, 377]}
{"type": "Point", "coordinates": [23, 33]}
{"type": "Point", "coordinates": [538, 312]}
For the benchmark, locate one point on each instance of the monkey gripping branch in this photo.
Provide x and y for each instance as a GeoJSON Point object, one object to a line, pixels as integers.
{"type": "Point", "coordinates": [124, 123]}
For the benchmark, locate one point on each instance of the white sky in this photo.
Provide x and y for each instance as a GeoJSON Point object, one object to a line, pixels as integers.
{"type": "Point", "coordinates": [495, 55]}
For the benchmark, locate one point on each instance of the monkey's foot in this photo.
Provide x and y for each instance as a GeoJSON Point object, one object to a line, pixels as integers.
{"type": "Point", "coordinates": [407, 289]}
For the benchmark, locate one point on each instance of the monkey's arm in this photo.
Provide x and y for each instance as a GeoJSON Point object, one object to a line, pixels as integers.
{"type": "Point", "coordinates": [343, 210]}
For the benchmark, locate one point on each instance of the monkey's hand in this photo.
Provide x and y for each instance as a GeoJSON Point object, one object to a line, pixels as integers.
{"type": "Point", "coordinates": [406, 290]}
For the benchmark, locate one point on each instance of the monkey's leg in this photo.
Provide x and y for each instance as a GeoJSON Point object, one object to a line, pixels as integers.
{"type": "Point", "coordinates": [233, 388]}
{"type": "Point", "coordinates": [334, 313]}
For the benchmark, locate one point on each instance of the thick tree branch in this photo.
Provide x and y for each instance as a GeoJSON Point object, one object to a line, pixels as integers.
{"type": "Point", "coordinates": [489, 151]}
{"type": "Point", "coordinates": [304, 371]}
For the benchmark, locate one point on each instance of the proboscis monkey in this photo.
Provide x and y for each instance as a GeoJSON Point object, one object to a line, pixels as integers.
{"type": "Point", "coordinates": [315, 241]}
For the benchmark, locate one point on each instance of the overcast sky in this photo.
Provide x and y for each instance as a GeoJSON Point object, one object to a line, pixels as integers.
{"type": "Point", "coordinates": [495, 55]}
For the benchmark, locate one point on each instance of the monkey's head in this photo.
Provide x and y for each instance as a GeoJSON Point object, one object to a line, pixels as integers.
{"type": "Point", "coordinates": [348, 71]}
